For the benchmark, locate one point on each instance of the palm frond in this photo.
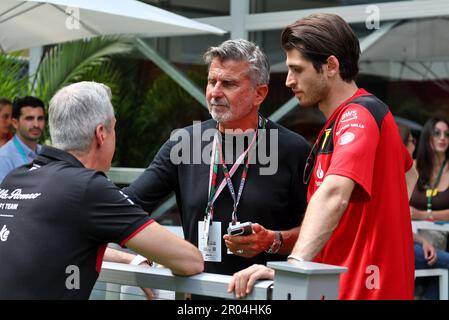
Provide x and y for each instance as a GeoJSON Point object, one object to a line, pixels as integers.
{"type": "Point", "coordinates": [68, 62]}
{"type": "Point", "coordinates": [13, 78]}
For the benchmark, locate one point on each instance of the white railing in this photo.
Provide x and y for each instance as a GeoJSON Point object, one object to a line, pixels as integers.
{"type": "Point", "coordinates": [122, 175]}
{"type": "Point", "coordinates": [442, 274]}
{"type": "Point", "coordinates": [429, 225]}
{"type": "Point", "coordinates": [305, 280]}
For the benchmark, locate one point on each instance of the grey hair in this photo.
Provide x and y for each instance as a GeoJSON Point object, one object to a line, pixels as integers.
{"type": "Point", "coordinates": [242, 50]}
{"type": "Point", "coordinates": [74, 113]}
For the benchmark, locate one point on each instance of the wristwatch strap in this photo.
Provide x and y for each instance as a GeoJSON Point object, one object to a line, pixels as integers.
{"type": "Point", "coordinates": [277, 243]}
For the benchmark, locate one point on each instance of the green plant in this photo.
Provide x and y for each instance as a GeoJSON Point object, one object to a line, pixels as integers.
{"type": "Point", "coordinates": [148, 114]}
{"type": "Point", "coordinates": [12, 79]}
{"type": "Point", "coordinates": [148, 104]}
{"type": "Point", "coordinates": [73, 61]}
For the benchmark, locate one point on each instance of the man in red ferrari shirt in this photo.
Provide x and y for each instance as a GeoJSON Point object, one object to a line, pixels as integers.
{"type": "Point", "coordinates": [358, 172]}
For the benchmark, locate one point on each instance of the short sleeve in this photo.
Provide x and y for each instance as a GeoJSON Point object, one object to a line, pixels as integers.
{"type": "Point", "coordinates": [356, 136]}
{"type": "Point", "coordinates": [408, 161]}
{"type": "Point", "coordinates": [112, 216]}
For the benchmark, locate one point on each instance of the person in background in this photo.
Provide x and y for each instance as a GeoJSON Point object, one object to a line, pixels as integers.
{"type": "Point", "coordinates": [28, 119]}
{"type": "Point", "coordinates": [5, 121]}
{"type": "Point", "coordinates": [430, 200]}
{"type": "Point", "coordinates": [408, 139]}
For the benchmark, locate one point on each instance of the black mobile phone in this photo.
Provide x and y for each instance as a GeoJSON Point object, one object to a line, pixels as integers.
{"type": "Point", "coordinates": [242, 229]}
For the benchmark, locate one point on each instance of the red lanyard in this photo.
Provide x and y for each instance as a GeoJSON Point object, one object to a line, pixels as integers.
{"type": "Point", "coordinates": [217, 154]}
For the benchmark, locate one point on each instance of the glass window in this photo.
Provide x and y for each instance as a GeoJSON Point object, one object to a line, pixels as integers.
{"type": "Point", "coordinates": [259, 6]}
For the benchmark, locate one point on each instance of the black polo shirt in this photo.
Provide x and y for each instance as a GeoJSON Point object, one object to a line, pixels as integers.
{"type": "Point", "coordinates": [56, 218]}
{"type": "Point", "coordinates": [276, 201]}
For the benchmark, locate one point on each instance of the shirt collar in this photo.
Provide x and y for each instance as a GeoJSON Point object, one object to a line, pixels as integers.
{"type": "Point", "coordinates": [48, 154]}
{"type": "Point", "coordinates": [358, 93]}
{"type": "Point", "coordinates": [28, 151]}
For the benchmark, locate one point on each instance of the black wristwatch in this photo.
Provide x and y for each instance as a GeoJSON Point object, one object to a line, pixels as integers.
{"type": "Point", "coordinates": [277, 243]}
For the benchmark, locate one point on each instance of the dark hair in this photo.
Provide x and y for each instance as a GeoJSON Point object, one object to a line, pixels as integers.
{"type": "Point", "coordinates": [28, 101]}
{"type": "Point", "coordinates": [4, 102]}
{"type": "Point", "coordinates": [404, 132]}
{"type": "Point", "coordinates": [424, 156]}
{"type": "Point", "coordinates": [321, 35]}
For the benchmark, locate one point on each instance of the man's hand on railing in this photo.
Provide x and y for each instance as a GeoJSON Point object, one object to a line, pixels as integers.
{"type": "Point", "coordinates": [242, 282]}
{"type": "Point", "coordinates": [114, 255]}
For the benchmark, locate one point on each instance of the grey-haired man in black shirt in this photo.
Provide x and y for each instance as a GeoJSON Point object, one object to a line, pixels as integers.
{"type": "Point", "coordinates": [58, 214]}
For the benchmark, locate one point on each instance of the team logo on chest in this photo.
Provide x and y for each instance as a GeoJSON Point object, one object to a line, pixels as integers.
{"type": "Point", "coordinates": [4, 233]}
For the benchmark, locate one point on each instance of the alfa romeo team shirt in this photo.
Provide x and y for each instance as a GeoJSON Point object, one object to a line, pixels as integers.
{"type": "Point", "coordinates": [373, 239]}
{"type": "Point", "coordinates": [56, 218]}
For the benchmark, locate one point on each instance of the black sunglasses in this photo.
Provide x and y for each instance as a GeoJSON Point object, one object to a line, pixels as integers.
{"type": "Point", "coordinates": [310, 164]}
{"type": "Point", "coordinates": [437, 133]}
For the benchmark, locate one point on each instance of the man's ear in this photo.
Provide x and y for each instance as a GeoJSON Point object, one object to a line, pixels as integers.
{"type": "Point", "coordinates": [332, 66]}
{"type": "Point", "coordinates": [261, 94]}
{"type": "Point", "coordinates": [15, 123]}
{"type": "Point", "coordinates": [100, 134]}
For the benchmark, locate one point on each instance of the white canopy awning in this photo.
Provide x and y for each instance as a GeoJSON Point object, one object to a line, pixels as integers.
{"type": "Point", "coordinates": [27, 24]}
{"type": "Point", "coordinates": [412, 50]}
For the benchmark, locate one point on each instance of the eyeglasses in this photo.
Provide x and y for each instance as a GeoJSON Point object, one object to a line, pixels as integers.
{"type": "Point", "coordinates": [437, 133]}
{"type": "Point", "coordinates": [310, 163]}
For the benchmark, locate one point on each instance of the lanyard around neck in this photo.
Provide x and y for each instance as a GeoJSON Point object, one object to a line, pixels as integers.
{"type": "Point", "coordinates": [432, 191]}
{"type": "Point", "coordinates": [217, 155]}
{"type": "Point", "coordinates": [21, 150]}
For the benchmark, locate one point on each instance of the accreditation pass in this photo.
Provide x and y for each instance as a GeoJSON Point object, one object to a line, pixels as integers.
{"type": "Point", "coordinates": [209, 243]}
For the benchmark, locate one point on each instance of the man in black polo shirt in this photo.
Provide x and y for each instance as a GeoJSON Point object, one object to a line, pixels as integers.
{"type": "Point", "coordinates": [213, 194]}
{"type": "Point", "coordinates": [58, 213]}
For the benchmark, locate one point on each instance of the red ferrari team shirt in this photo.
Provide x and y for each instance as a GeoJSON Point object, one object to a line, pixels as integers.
{"type": "Point", "coordinates": [373, 239]}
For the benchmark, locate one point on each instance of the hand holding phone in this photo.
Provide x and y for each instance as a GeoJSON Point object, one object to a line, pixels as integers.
{"type": "Point", "coordinates": [241, 229]}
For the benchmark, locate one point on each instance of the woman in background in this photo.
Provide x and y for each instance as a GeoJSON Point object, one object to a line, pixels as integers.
{"type": "Point", "coordinates": [430, 198]}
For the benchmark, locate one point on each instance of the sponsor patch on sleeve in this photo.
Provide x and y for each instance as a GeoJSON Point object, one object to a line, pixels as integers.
{"type": "Point", "coordinates": [346, 138]}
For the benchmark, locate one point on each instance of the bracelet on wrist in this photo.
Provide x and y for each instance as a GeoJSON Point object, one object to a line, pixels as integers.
{"type": "Point", "coordinates": [293, 257]}
{"type": "Point", "coordinates": [277, 243]}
